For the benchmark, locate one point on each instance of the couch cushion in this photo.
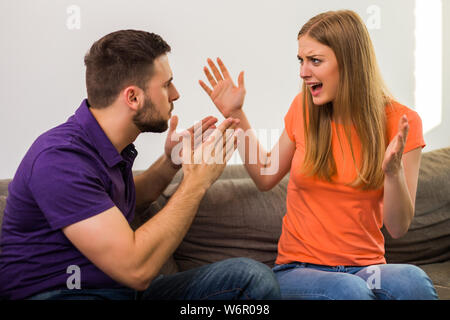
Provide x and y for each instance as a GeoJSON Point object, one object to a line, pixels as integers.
{"type": "Point", "coordinates": [3, 194]}
{"type": "Point", "coordinates": [440, 275]}
{"type": "Point", "coordinates": [433, 190]}
{"type": "Point", "coordinates": [2, 208]}
{"type": "Point", "coordinates": [428, 238]}
{"type": "Point", "coordinates": [4, 187]}
{"type": "Point", "coordinates": [234, 220]}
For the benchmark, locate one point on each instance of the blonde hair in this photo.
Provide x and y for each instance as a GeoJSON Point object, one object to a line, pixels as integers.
{"type": "Point", "coordinates": [360, 102]}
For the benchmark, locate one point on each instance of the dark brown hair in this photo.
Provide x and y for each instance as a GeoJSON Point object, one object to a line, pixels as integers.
{"type": "Point", "coordinates": [120, 59]}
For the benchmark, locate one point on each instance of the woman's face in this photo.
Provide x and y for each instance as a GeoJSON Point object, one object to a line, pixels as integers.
{"type": "Point", "coordinates": [318, 69]}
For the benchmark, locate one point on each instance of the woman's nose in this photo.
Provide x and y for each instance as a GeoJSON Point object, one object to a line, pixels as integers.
{"type": "Point", "coordinates": [304, 71]}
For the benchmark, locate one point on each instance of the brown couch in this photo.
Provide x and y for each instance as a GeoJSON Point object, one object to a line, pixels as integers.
{"type": "Point", "coordinates": [236, 220]}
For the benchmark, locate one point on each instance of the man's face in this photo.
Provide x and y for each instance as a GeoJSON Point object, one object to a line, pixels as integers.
{"type": "Point", "coordinates": [160, 93]}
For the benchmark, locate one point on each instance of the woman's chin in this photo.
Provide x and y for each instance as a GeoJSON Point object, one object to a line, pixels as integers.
{"type": "Point", "coordinates": [321, 101]}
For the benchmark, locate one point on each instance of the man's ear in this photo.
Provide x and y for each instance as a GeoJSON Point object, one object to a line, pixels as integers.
{"type": "Point", "coordinates": [133, 97]}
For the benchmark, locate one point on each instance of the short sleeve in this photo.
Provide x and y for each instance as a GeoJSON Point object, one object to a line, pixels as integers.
{"type": "Point", "coordinates": [292, 117]}
{"type": "Point", "coordinates": [67, 187]}
{"type": "Point", "coordinates": [415, 137]}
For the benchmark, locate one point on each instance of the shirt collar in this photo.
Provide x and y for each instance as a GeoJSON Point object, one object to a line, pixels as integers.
{"type": "Point", "coordinates": [99, 140]}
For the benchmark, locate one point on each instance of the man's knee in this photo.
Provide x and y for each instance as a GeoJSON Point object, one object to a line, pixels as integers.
{"type": "Point", "coordinates": [257, 279]}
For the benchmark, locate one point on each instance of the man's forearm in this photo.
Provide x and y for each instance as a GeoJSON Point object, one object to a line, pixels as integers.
{"type": "Point", "coordinates": [398, 206]}
{"type": "Point", "coordinates": [158, 238]}
{"type": "Point", "coordinates": [152, 182]}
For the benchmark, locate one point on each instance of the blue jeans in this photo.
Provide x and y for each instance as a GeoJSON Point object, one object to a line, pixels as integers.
{"type": "Point", "coordinates": [304, 281]}
{"type": "Point", "coordinates": [231, 279]}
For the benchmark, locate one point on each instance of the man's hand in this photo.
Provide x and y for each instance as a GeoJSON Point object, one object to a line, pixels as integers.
{"type": "Point", "coordinates": [174, 138]}
{"type": "Point", "coordinates": [227, 97]}
{"type": "Point", "coordinates": [207, 161]}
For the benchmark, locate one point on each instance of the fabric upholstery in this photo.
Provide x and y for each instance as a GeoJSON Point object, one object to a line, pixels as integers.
{"type": "Point", "coordinates": [428, 238]}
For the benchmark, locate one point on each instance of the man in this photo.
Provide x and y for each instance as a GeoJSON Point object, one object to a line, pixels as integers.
{"type": "Point", "coordinates": [73, 195]}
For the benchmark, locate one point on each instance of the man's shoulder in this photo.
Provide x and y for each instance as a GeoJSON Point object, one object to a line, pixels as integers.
{"type": "Point", "coordinates": [65, 144]}
{"type": "Point", "coordinates": [65, 134]}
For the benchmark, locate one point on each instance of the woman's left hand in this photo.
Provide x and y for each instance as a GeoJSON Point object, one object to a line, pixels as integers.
{"type": "Point", "coordinates": [392, 163]}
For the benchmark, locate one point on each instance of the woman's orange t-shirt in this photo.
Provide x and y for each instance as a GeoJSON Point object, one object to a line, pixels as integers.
{"type": "Point", "coordinates": [331, 223]}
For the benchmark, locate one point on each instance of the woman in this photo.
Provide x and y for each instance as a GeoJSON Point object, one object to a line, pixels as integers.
{"type": "Point", "coordinates": [353, 155]}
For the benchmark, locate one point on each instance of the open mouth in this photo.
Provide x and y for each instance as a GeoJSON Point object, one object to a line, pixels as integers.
{"type": "Point", "coordinates": [315, 88]}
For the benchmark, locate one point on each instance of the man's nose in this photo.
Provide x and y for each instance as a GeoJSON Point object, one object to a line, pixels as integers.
{"type": "Point", "coordinates": [174, 94]}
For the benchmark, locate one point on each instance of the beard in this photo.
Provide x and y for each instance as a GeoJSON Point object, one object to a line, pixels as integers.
{"type": "Point", "coordinates": [148, 119]}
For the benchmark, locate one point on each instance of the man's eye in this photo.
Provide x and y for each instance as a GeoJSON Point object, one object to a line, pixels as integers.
{"type": "Point", "coordinates": [300, 60]}
{"type": "Point", "coordinates": [315, 61]}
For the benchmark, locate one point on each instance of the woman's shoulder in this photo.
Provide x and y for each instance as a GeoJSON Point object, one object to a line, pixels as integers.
{"type": "Point", "coordinates": [298, 101]}
{"type": "Point", "coordinates": [394, 108]}
{"type": "Point", "coordinates": [394, 111]}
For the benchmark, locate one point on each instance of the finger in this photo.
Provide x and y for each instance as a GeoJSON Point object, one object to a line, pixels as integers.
{"type": "Point", "coordinates": [230, 150]}
{"type": "Point", "coordinates": [400, 144]}
{"type": "Point", "coordinates": [208, 133]}
{"type": "Point", "coordinates": [232, 146]}
{"type": "Point", "coordinates": [217, 134]}
{"type": "Point", "coordinates": [403, 122]}
{"type": "Point", "coordinates": [227, 137]}
{"type": "Point", "coordinates": [173, 124]}
{"type": "Point", "coordinates": [215, 70]}
{"type": "Point", "coordinates": [187, 150]}
{"type": "Point", "coordinates": [205, 123]}
{"type": "Point", "coordinates": [198, 139]}
{"type": "Point", "coordinates": [210, 78]}
{"type": "Point", "coordinates": [222, 144]}
{"type": "Point", "coordinates": [208, 122]}
{"type": "Point", "coordinates": [241, 80]}
{"type": "Point", "coordinates": [405, 131]}
{"type": "Point", "coordinates": [208, 126]}
{"type": "Point", "coordinates": [205, 87]}
{"type": "Point", "coordinates": [223, 69]}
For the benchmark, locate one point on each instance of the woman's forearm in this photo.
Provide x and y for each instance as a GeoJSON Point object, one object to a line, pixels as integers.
{"type": "Point", "coordinates": [253, 155]}
{"type": "Point", "coordinates": [398, 206]}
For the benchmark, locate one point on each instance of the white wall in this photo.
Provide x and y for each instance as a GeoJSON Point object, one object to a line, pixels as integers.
{"type": "Point", "coordinates": [42, 50]}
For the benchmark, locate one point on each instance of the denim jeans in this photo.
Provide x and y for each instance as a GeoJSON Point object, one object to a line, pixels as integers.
{"type": "Point", "coordinates": [304, 281]}
{"type": "Point", "coordinates": [231, 279]}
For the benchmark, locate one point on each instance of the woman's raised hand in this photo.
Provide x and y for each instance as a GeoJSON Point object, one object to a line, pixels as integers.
{"type": "Point", "coordinates": [227, 97]}
{"type": "Point", "coordinates": [392, 163]}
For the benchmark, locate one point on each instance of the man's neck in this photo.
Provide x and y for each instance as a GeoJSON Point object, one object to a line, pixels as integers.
{"type": "Point", "coordinates": [116, 126]}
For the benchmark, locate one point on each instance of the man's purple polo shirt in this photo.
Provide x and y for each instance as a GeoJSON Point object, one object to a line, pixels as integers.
{"type": "Point", "coordinates": [70, 173]}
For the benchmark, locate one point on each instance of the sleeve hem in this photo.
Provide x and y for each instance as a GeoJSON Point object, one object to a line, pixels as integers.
{"type": "Point", "coordinates": [421, 145]}
{"type": "Point", "coordinates": [61, 223]}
